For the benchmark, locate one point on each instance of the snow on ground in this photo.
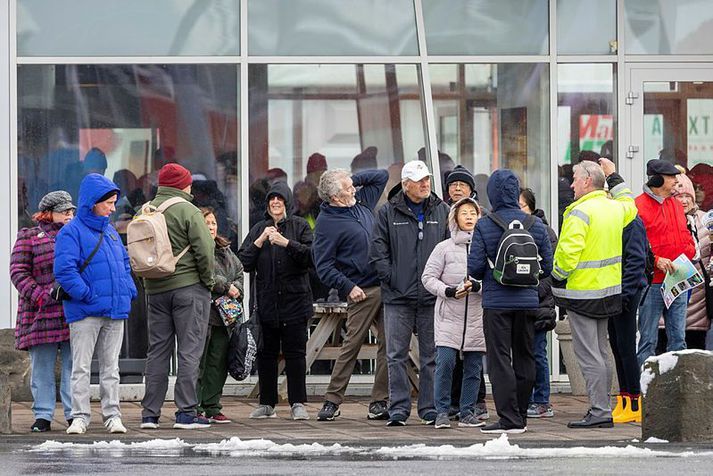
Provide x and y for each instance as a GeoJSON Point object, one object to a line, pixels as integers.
{"type": "Point", "coordinates": [494, 449]}
{"type": "Point", "coordinates": [653, 439]}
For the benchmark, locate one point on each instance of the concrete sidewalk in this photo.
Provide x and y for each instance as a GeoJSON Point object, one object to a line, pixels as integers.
{"type": "Point", "coordinates": [351, 427]}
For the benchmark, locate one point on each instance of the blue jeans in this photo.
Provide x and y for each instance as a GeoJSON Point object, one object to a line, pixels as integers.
{"type": "Point", "coordinates": [541, 390]}
{"type": "Point", "coordinates": [445, 362]}
{"type": "Point", "coordinates": [42, 380]}
{"type": "Point", "coordinates": [400, 321]}
{"type": "Point", "coordinates": [674, 318]}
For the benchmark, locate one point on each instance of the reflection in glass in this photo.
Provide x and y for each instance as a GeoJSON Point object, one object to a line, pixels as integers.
{"type": "Point", "coordinates": [678, 127]}
{"type": "Point", "coordinates": [585, 120]}
{"type": "Point", "coordinates": [307, 118]}
{"type": "Point", "coordinates": [125, 122]}
{"type": "Point", "coordinates": [491, 116]}
{"type": "Point", "coordinates": [668, 27]}
{"type": "Point", "coordinates": [585, 27]}
{"type": "Point", "coordinates": [486, 27]}
{"type": "Point", "coordinates": [326, 27]}
{"type": "Point", "coordinates": [128, 28]}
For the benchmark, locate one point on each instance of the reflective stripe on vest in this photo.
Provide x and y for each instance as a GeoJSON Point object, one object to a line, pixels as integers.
{"type": "Point", "coordinates": [586, 293]}
{"type": "Point", "coordinates": [598, 263]}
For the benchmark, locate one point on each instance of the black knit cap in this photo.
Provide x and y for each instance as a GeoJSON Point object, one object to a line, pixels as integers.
{"type": "Point", "coordinates": [107, 196]}
{"type": "Point", "coordinates": [461, 174]}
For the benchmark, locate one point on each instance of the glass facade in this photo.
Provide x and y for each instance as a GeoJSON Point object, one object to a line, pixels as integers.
{"type": "Point", "coordinates": [245, 92]}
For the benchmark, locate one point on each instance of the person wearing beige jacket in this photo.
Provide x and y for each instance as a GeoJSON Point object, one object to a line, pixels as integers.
{"type": "Point", "coordinates": [458, 315]}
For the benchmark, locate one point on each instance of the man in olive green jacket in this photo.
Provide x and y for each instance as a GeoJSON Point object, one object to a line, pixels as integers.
{"type": "Point", "coordinates": [179, 305]}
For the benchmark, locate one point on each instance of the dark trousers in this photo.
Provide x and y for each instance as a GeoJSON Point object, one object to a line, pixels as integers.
{"type": "Point", "coordinates": [622, 339]}
{"type": "Point", "coordinates": [213, 370]}
{"type": "Point", "coordinates": [509, 336]}
{"type": "Point", "coordinates": [457, 383]}
{"type": "Point", "coordinates": [292, 340]}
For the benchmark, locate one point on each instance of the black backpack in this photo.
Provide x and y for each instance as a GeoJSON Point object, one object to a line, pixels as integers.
{"type": "Point", "coordinates": [517, 260]}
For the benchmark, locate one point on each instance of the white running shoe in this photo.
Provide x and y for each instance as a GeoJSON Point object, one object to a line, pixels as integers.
{"type": "Point", "coordinates": [77, 427]}
{"type": "Point", "coordinates": [114, 425]}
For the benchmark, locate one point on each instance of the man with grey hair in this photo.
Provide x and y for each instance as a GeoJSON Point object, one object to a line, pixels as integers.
{"type": "Point", "coordinates": [407, 230]}
{"type": "Point", "coordinates": [342, 236]}
{"type": "Point", "coordinates": [587, 277]}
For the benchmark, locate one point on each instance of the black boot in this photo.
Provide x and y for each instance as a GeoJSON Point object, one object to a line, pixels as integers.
{"type": "Point", "coordinates": [590, 421]}
{"type": "Point", "coordinates": [40, 426]}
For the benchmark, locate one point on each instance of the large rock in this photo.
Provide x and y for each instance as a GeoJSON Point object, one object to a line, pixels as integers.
{"type": "Point", "coordinates": [5, 404]}
{"type": "Point", "coordinates": [676, 391]}
{"type": "Point", "coordinates": [576, 380]}
{"type": "Point", "coordinates": [16, 364]}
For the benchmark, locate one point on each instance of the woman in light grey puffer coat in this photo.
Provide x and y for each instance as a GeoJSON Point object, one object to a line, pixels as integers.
{"type": "Point", "coordinates": [458, 314]}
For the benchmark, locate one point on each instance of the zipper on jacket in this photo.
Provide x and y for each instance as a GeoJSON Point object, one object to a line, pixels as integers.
{"type": "Point", "coordinates": [465, 312]}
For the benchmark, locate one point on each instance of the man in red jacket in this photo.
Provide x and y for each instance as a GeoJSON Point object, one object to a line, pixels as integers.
{"type": "Point", "coordinates": [665, 223]}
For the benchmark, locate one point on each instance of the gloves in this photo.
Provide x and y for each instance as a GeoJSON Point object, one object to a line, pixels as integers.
{"type": "Point", "coordinates": [451, 292]}
{"type": "Point", "coordinates": [476, 286]}
{"type": "Point", "coordinates": [57, 293]}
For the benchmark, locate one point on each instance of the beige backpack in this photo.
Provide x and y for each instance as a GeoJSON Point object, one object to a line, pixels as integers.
{"type": "Point", "coordinates": [150, 251]}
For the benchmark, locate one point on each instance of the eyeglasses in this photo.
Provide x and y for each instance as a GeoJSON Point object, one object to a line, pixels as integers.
{"type": "Point", "coordinates": [420, 231]}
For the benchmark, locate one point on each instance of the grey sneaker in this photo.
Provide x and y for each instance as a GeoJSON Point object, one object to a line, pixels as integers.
{"type": "Point", "coordinates": [442, 421]}
{"type": "Point", "coordinates": [299, 412]}
{"type": "Point", "coordinates": [540, 410]}
{"type": "Point", "coordinates": [264, 411]}
{"type": "Point", "coordinates": [470, 420]}
{"type": "Point", "coordinates": [481, 411]}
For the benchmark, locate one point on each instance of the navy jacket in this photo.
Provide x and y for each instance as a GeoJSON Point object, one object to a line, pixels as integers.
{"type": "Point", "coordinates": [504, 192]}
{"type": "Point", "coordinates": [342, 237]}
{"type": "Point", "coordinates": [105, 288]}
{"type": "Point", "coordinates": [635, 245]}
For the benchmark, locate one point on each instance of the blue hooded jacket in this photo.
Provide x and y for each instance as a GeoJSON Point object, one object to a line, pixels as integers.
{"type": "Point", "coordinates": [504, 192]}
{"type": "Point", "coordinates": [105, 287]}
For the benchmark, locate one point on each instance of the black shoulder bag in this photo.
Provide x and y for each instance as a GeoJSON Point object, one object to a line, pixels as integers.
{"type": "Point", "coordinates": [59, 294]}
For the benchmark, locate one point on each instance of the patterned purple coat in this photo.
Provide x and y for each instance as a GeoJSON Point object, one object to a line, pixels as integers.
{"type": "Point", "coordinates": [40, 319]}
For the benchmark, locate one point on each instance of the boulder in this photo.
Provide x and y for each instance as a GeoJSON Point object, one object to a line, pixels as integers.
{"type": "Point", "coordinates": [16, 364]}
{"type": "Point", "coordinates": [676, 390]}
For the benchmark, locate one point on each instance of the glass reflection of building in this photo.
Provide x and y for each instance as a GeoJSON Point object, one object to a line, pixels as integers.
{"type": "Point", "coordinates": [247, 92]}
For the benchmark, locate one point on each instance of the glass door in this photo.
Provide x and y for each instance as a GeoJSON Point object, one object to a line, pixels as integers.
{"type": "Point", "coordinates": [670, 110]}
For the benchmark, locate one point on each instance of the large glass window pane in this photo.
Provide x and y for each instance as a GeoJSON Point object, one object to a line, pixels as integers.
{"type": "Point", "coordinates": [666, 27]}
{"type": "Point", "coordinates": [125, 122]}
{"type": "Point", "coordinates": [326, 27]}
{"type": "Point", "coordinates": [305, 119]}
{"type": "Point", "coordinates": [585, 27]}
{"type": "Point", "coordinates": [486, 27]}
{"type": "Point", "coordinates": [128, 27]}
{"type": "Point", "coordinates": [491, 116]}
{"type": "Point", "coordinates": [586, 109]}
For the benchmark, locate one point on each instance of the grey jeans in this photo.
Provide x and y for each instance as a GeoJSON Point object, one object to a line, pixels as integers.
{"type": "Point", "coordinates": [103, 335]}
{"type": "Point", "coordinates": [591, 347]}
{"type": "Point", "coordinates": [180, 314]}
{"type": "Point", "coordinates": [400, 321]}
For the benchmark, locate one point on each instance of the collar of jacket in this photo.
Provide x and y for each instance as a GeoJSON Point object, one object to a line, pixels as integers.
{"type": "Point", "coordinates": [399, 203]}
{"type": "Point", "coordinates": [589, 196]}
{"type": "Point", "coordinates": [651, 194]}
{"type": "Point", "coordinates": [169, 192]}
{"type": "Point", "coordinates": [333, 210]}
{"type": "Point", "coordinates": [49, 227]}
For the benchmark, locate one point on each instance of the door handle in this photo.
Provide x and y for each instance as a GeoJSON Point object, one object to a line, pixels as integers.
{"type": "Point", "coordinates": [631, 151]}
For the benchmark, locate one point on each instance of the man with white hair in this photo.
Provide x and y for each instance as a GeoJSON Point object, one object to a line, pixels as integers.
{"type": "Point", "coordinates": [408, 227]}
{"type": "Point", "coordinates": [340, 249]}
{"type": "Point", "coordinates": [587, 278]}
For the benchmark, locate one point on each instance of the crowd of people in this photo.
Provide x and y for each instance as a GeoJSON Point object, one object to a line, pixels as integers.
{"type": "Point", "coordinates": [470, 278]}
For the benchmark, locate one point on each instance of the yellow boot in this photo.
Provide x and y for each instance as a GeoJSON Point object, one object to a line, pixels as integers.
{"type": "Point", "coordinates": [619, 406]}
{"type": "Point", "coordinates": [627, 415]}
{"type": "Point", "coordinates": [636, 408]}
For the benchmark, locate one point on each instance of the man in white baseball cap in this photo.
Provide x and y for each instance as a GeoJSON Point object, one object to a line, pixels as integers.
{"type": "Point", "coordinates": [407, 229]}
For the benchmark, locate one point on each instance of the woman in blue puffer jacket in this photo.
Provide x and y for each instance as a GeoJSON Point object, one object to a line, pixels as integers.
{"type": "Point", "coordinates": [92, 266]}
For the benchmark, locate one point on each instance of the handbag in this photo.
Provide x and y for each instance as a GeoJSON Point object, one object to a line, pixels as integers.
{"type": "Point", "coordinates": [230, 310]}
{"type": "Point", "coordinates": [245, 343]}
{"type": "Point", "coordinates": [59, 294]}
{"type": "Point", "coordinates": [708, 292]}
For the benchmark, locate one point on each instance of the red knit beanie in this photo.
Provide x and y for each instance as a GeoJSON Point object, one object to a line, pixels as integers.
{"type": "Point", "coordinates": [175, 176]}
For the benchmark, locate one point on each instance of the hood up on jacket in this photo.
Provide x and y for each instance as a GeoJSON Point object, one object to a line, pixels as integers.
{"type": "Point", "coordinates": [504, 190]}
{"type": "Point", "coordinates": [457, 235]}
{"type": "Point", "coordinates": [92, 188]}
{"type": "Point", "coordinates": [541, 215]}
{"type": "Point", "coordinates": [281, 189]}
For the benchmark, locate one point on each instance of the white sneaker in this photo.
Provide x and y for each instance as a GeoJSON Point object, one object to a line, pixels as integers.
{"type": "Point", "coordinates": [114, 425]}
{"type": "Point", "coordinates": [264, 411]}
{"type": "Point", "coordinates": [299, 412]}
{"type": "Point", "coordinates": [77, 427]}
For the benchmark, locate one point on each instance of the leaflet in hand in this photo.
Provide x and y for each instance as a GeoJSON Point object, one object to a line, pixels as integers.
{"type": "Point", "coordinates": [684, 278]}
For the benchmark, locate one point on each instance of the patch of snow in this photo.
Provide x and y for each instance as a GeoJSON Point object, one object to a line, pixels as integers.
{"type": "Point", "coordinates": [236, 446]}
{"type": "Point", "coordinates": [635, 440]}
{"type": "Point", "coordinates": [647, 376]}
{"type": "Point", "coordinates": [653, 439]}
{"type": "Point", "coordinates": [52, 445]}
